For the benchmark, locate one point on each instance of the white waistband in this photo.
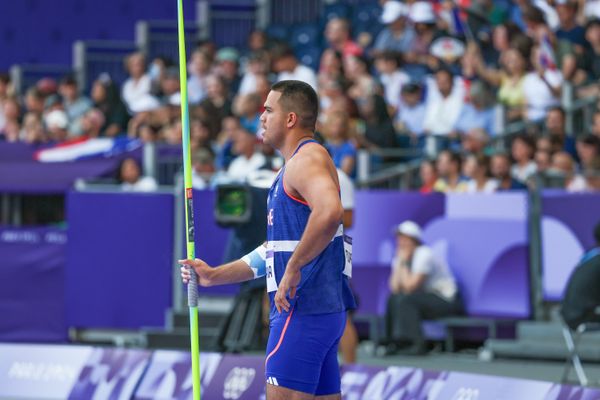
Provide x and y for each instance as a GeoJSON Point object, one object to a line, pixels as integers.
{"type": "Point", "coordinates": [290, 245]}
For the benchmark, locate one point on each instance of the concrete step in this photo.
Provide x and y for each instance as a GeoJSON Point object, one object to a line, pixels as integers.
{"type": "Point", "coordinates": [179, 338]}
{"type": "Point", "coordinates": [530, 330]}
{"type": "Point", "coordinates": [548, 349]}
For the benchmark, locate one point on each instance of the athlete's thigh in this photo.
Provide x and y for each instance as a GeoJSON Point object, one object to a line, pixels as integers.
{"type": "Point", "coordinates": [329, 379]}
{"type": "Point", "coordinates": [283, 393]}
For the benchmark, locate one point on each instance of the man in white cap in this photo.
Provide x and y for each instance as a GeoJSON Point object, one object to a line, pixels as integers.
{"type": "Point", "coordinates": [422, 288]}
{"type": "Point", "coordinates": [397, 35]}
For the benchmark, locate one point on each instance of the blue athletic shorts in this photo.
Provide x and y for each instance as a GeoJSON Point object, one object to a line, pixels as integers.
{"type": "Point", "coordinates": [302, 352]}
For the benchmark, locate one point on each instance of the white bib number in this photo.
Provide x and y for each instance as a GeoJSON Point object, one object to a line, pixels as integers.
{"type": "Point", "coordinates": [348, 256]}
{"type": "Point", "coordinates": [270, 266]}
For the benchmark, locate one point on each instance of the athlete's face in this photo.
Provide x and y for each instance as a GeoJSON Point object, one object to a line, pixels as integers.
{"type": "Point", "coordinates": [273, 120]}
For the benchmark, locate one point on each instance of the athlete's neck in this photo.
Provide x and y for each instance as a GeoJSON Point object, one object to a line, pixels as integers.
{"type": "Point", "coordinates": [291, 145]}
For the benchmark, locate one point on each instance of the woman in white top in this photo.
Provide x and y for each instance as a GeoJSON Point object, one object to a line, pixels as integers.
{"type": "Point", "coordinates": [477, 169]}
{"type": "Point", "coordinates": [421, 286]}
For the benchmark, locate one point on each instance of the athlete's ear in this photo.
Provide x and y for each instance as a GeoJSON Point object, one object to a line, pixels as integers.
{"type": "Point", "coordinates": [292, 119]}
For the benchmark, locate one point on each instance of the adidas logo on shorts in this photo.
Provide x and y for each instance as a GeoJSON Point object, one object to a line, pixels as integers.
{"type": "Point", "coordinates": [272, 380]}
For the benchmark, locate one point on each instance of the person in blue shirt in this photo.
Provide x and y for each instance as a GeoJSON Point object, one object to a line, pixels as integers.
{"type": "Point", "coordinates": [340, 148]}
{"type": "Point", "coordinates": [306, 259]}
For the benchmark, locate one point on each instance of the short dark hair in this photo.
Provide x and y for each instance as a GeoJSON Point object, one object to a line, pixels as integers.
{"type": "Point", "coordinates": [557, 108]}
{"type": "Point", "coordinates": [300, 98]}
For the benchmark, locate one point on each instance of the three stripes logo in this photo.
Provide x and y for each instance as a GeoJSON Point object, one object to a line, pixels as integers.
{"type": "Point", "coordinates": [272, 380]}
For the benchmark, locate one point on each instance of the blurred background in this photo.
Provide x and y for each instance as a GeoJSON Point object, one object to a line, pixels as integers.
{"type": "Point", "coordinates": [474, 123]}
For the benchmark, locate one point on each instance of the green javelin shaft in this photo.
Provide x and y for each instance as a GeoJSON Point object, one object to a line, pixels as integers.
{"type": "Point", "coordinates": [192, 288]}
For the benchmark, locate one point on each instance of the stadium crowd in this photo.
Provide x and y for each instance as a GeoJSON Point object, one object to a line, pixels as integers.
{"type": "Point", "coordinates": [439, 78]}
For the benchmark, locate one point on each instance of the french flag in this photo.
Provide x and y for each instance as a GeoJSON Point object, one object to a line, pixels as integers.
{"type": "Point", "coordinates": [85, 148]}
{"type": "Point", "coordinates": [546, 55]}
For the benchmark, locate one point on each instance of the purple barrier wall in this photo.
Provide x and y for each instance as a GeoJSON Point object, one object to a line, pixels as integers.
{"type": "Point", "coordinates": [32, 284]}
{"type": "Point", "coordinates": [119, 259]}
{"type": "Point", "coordinates": [567, 232]}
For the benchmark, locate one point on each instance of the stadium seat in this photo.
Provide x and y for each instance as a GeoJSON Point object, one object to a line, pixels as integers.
{"type": "Point", "coordinates": [278, 32]}
{"type": "Point", "coordinates": [366, 13]}
{"type": "Point", "coordinates": [309, 56]}
{"type": "Point", "coordinates": [305, 35]}
{"type": "Point", "coordinates": [336, 10]}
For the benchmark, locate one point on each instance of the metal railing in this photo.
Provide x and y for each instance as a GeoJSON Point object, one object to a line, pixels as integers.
{"type": "Point", "coordinates": [159, 38]}
{"type": "Point", "coordinates": [24, 76]}
{"type": "Point", "coordinates": [94, 57]}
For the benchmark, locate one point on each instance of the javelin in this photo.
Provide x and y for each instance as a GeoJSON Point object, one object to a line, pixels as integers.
{"type": "Point", "coordinates": [192, 288]}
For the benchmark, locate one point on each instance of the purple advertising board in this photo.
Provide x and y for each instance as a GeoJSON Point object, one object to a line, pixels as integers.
{"type": "Point", "coordinates": [169, 375]}
{"type": "Point", "coordinates": [566, 236]}
{"type": "Point", "coordinates": [40, 371]}
{"type": "Point", "coordinates": [110, 373]}
{"type": "Point", "coordinates": [32, 298]}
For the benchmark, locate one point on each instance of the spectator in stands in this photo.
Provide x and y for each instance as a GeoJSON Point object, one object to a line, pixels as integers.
{"type": "Point", "coordinates": [589, 61]}
{"type": "Point", "coordinates": [398, 35]}
{"type": "Point", "coordinates": [217, 99]}
{"type": "Point", "coordinates": [424, 19]}
{"type": "Point", "coordinates": [331, 68]}
{"type": "Point", "coordinates": [203, 168]}
{"type": "Point", "coordinates": [362, 83]}
{"type": "Point", "coordinates": [449, 170]}
{"type": "Point", "coordinates": [136, 89]}
{"type": "Point", "coordinates": [592, 174]}
{"type": "Point", "coordinates": [247, 108]}
{"type": "Point", "coordinates": [475, 141]}
{"type": "Point", "coordinates": [588, 148]}
{"type": "Point", "coordinates": [595, 130]}
{"type": "Point", "coordinates": [542, 87]}
{"type": "Point", "coordinates": [392, 78]}
{"type": "Point", "coordinates": [543, 160]}
{"type": "Point", "coordinates": [337, 33]}
{"type": "Point", "coordinates": [92, 123]}
{"type": "Point", "coordinates": [509, 80]}
{"type": "Point", "coordinates": [568, 28]}
{"type": "Point", "coordinates": [131, 179]}
{"type": "Point", "coordinates": [555, 127]}
{"type": "Point", "coordinates": [248, 158]}
{"type": "Point", "coordinates": [522, 150]}
{"type": "Point", "coordinates": [256, 66]}
{"type": "Point", "coordinates": [224, 142]}
{"type": "Point", "coordinates": [378, 126]}
{"type": "Point", "coordinates": [169, 93]}
{"type": "Point", "coordinates": [428, 176]}
{"type": "Point", "coordinates": [227, 66]}
{"type": "Point", "coordinates": [107, 99]}
{"type": "Point", "coordinates": [11, 132]}
{"type": "Point", "coordinates": [34, 101]}
{"type": "Point", "coordinates": [11, 113]}
{"type": "Point", "coordinates": [479, 112]}
{"type": "Point", "coordinates": [563, 162]}
{"type": "Point", "coordinates": [338, 144]}
{"type": "Point", "coordinates": [199, 134]}
{"type": "Point", "coordinates": [477, 169]}
{"type": "Point", "coordinates": [286, 66]}
{"type": "Point", "coordinates": [33, 129]}
{"type": "Point", "coordinates": [199, 69]}
{"type": "Point", "coordinates": [442, 112]}
{"type": "Point", "coordinates": [421, 286]}
{"type": "Point", "coordinates": [500, 166]}
{"type": "Point", "coordinates": [411, 111]}
{"type": "Point", "coordinates": [4, 88]}
{"type": "Point", "coordinates": [56, 124]}
{"type": "Point", "coordinates": [258, 41]}
{"type": "Point", "coordinates": [171, 133]}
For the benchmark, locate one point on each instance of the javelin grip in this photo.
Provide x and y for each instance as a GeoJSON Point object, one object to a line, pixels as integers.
{"type": "Point", "coordinates": [192, 289]}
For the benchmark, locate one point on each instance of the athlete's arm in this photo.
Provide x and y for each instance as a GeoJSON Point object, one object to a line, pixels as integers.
{"type": "Point", "coordinates": [311, 177]}
{"type": "Point", "coordinates": [233, 272]}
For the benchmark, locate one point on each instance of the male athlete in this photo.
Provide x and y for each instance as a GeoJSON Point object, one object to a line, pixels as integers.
{"type": "Point", "coordinates": [304, 258]}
